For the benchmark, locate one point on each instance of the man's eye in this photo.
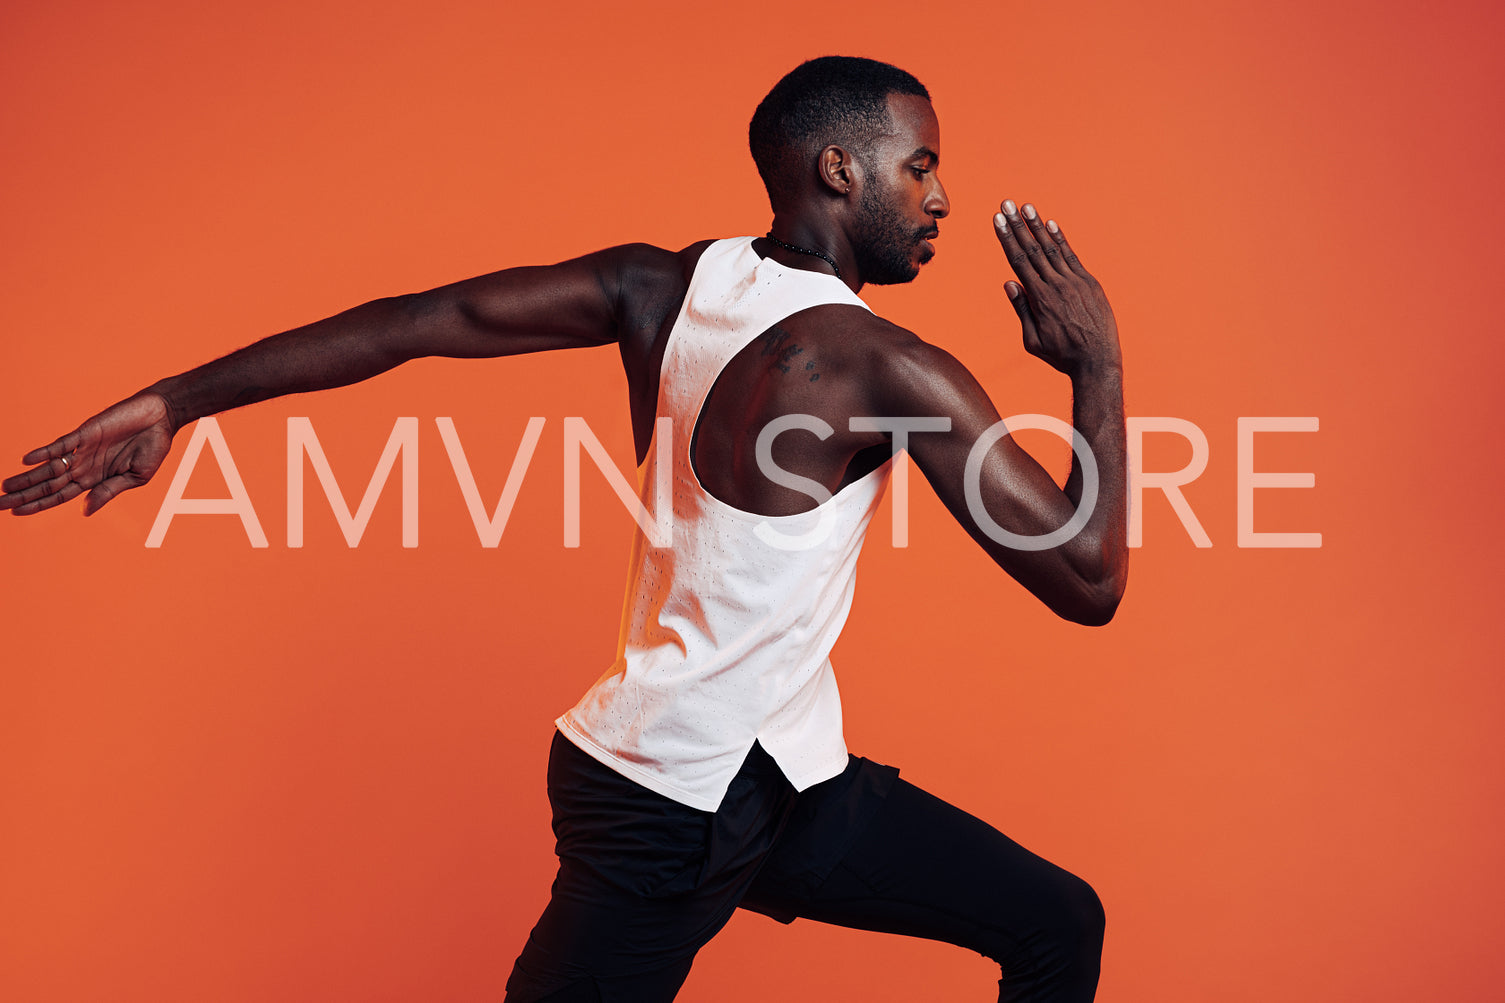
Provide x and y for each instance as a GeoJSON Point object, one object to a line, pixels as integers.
{"type": "Point", "coordinates": [919, 172]}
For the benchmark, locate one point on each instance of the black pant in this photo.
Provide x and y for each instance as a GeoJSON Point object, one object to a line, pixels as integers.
{"type": "Point", "coordinates": [644, 882]}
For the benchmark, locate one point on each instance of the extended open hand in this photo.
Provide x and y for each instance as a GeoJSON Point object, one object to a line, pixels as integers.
{"type": "Point", "coordinates": [117, 449]}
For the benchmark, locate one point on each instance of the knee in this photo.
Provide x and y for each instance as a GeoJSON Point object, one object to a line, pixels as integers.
{"type": "Point", "coordinates": [1082, 919]}
{"type": "Point", "coordinates": [1070, 951]}
{"type": "Point", "coordinates": [1059, 949]}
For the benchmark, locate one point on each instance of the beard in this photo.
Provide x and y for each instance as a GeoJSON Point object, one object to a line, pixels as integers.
{"type": "Point", "coordinates": [886, 245]}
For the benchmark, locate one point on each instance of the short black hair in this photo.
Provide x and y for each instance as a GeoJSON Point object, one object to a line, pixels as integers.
{"type": "Point", "coordinates": [833, 99]}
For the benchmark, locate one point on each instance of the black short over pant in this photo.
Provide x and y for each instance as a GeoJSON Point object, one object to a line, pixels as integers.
{"type": "Point", "coordinates": [644, 882]}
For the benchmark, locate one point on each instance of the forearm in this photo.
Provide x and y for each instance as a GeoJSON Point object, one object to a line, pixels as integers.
{"type": "Point", "coordinates": [1067, 322]}
{"type": "Point", "coordinates": [1099, 553]}
{"type": "Point", "coordinates": [346, 348]}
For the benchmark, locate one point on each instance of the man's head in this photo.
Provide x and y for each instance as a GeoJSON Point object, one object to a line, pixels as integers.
{"type": "Point", "coordinates": [840, 100]}
{"type": "Point", "coordinates": [855, 143]}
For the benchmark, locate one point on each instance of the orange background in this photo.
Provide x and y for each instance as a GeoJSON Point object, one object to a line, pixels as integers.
{"type": "Point", "coordinates": [245, 775]}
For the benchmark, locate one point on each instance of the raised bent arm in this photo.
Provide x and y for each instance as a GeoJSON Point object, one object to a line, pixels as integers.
{"type": "Point", "coordinates": [569, 305]}
{"type": "Point", "coordinates": [1066, 322]}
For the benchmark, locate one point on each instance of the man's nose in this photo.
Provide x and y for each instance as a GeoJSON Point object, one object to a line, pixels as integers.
{"type": "Point", "coordinates": [938, 205]}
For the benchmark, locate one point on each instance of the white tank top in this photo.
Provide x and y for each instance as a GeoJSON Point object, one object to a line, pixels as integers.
{"type": "Point", "coordinates": [725, 634]}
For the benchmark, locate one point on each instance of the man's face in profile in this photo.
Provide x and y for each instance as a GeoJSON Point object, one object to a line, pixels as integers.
{"type": "Point", "coordinates": [902, 196]}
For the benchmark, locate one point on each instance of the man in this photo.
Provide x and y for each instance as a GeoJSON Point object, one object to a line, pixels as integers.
{"type": "Point", "coordinates": [706, 770]}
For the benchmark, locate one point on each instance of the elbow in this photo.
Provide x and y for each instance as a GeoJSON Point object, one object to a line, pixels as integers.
{"type": "Point", "coordinates": [1081, 587]}
{"type": "Point", "coordinates": [378, 332]}
{"type": "Point", "coordinates": [1094, 603]}
{"type": "Point", "coordinates": [1097, 615]}
{"type": "Point", "coordinates": [1100, 585]}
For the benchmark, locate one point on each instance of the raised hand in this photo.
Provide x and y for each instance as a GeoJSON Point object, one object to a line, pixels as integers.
{"type": "Point", "coordinates": [1066, 317]}
{"type": "Point", "coordinates": [117, 449]}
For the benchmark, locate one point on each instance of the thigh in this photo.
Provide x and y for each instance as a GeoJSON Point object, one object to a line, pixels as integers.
{"type": "Point", "coordinates": [596, 943]}
{"type": "Point", "coordinates": [643, 882]}
{"type": "Point", "coordinates": [924, 868]}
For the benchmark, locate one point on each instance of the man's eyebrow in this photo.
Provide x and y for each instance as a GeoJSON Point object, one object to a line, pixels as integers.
{"type": "Point", "coordinates": [925, 151]}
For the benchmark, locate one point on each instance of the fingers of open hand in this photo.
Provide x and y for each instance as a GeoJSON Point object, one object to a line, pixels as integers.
{"type": "Point", "coordinates": [1028, 231]}
{"type": "Point", "coordinates": [1068, 256]}
{"type": "Point", "coordinates": [21, 482]}
{"type": "Point", "coordinates": [41, 498]}
{"type": "Point", "coordinates": [26, 492]}
{"type": "Point", "coordinates": [53, 460]}
{"type": "Point", "coordinates": [1049, 250]}
{"type": "Point", "coordinates": [1015, 239]}
{"type": "Point", "coordinates": [1038, 240]}
{"type": "Point", "coordinates": [59, 476]}
{"type": "Point", "coordinates": [54, 450]}
{"type": "Point", "coordinates": [1059, 272]}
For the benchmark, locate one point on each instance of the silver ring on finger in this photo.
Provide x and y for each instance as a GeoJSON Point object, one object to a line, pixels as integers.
{"type": "Point", "coordinates": [66, 463]}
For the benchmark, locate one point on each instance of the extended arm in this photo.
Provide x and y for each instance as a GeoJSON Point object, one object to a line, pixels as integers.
{"type": "Point", "coordinates": [532, 309]}
{"type": "Point", "coordinates": [1066, 322]}
{"type": "Point", "coordinates": [568, 305]}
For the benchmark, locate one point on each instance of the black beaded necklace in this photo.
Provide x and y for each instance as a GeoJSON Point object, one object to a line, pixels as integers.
{"type": "Point", "coordinates": [805, 250]}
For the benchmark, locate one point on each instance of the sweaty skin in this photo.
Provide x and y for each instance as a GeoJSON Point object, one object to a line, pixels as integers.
{"type": "Point", "coordinates": [874, 214]}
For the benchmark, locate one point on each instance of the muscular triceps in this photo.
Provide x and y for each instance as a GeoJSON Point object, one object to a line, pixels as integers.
{"type": "Point", "coordinates": [532, 308]}
{"type": "Point", "coordinates": [998, 492]}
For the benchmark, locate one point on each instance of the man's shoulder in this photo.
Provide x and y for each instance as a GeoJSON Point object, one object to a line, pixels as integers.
{"type": "Point", "coordinates": [859, 334]}
{"type": "Point", "coordinates": [647, 284]}
{"type": "Point", "coordinates": [895, 367]}
{"type": "Point", "coordinates": [642, 264]}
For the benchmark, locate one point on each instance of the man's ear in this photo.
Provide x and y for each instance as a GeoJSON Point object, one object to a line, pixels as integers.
{"type": "Point", "coordinates": [838, 170]}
